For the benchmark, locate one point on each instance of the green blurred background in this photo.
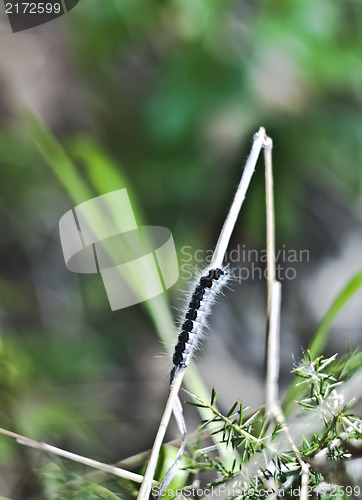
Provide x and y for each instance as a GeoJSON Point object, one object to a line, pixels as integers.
{"type": "Point", "coordinates": [163, 97]}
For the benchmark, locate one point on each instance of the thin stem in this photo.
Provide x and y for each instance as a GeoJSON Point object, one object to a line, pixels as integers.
{"type": "Point", "coordinates": [270, 217]}
{"type": "Point", "coordinates": [131, 476]}
{"type": "Point", "coordinates": [273, 321]}
{"type": "Point", "coordinates": [280, 492]}
{"type": "Point", "coordinates": [146, 485]}
{"type": "Point", "coordinates": [272, 341]}
{"type": "Point", "coordinates": [270, 245]}
{"type": "Point", "coordinates": [280, 418]}
{"type": "Point", "coordinates": [271, 385]}
{"type": "Point", "coordinates": [216, 261]}
{"type": "Point", "coordinates": [225, 235]}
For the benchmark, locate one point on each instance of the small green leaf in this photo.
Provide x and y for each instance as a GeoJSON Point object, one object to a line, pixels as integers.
{"type": "Point", "coordinates": [213, 396]}
{"type": "Point", "coordinates": [241, 413]}
{"type": "Point", "coordinates": [231, 411]}
{"type": "Point", "coordinates": [205, 424]}
{"type": "Point", "coordinates": [199, 405]}
{"type": "Point", "coordinates": [251, 419]}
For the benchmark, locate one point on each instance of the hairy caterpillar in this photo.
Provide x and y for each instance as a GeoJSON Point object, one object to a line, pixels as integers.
{"type": "Point", "coordinates": [195, 318]}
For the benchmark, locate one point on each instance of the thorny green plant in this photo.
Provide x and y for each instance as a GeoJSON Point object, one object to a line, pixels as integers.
{"type": "Point", "coordinates": [328, 449]}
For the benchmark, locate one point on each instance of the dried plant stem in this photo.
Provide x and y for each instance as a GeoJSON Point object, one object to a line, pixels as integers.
{"type": "Point", "coordinates": [136, 460]}
{"type": "Point", "coordinates": [216, 261]}
{"type": "Point", "coordinates": [273, 287]}
{"type": "Point", "coordinates": [131, 476]}
{"type": "Point", "coordinates": [278, 414]}
{"type": "Point", "coordinates": [146, 485]}
{"type": "Point", "coordinates": [280, 492]}
{"type": "Point", "coordinates": [271, 384]}
{"type": "Point", "coordinates": [270, 217]}
{"type": "Point", "coordinates": [228, 227]}
{"type": "Point", "coordinates": [273, 322]}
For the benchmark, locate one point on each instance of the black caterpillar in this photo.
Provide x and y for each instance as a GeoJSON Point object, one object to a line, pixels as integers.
{"type": "Point", "coordinates": [180, 358]}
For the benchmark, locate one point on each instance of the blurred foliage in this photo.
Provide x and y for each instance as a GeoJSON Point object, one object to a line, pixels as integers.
{"type": "Point", "coordinates": [188, 82]}
{"type": "Point", "coordinates": [60, 483]}
{"type": "Point", "coordinates": [168, 95]}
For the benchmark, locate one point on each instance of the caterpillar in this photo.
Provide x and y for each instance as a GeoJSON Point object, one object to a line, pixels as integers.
{"type": "Point", "coordinates": [195, 317]}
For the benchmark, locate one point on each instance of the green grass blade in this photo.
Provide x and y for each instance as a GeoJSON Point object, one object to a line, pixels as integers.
{"type": "Point", "coordinates": [103, 173]}
{"type": "Point", "coordinates": [103, 492]}
{"type": "Point", "coordinates": [55, 156]}
{"type": "Point", "coordinates": [321, 336]}
{"type": "Point", "coordinates": [106, 179]}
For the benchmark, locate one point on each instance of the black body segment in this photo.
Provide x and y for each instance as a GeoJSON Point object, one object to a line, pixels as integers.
{"type": "Point", "coordinates": [191, 315]}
